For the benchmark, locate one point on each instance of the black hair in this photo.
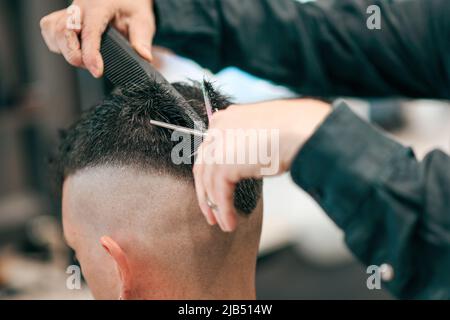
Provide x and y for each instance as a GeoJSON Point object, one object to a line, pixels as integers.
{"type": "Point", "coordinates": [118, 132]}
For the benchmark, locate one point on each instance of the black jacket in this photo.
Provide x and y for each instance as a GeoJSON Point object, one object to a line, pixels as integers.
{"type": "Point", "coordinates": [392, 208]}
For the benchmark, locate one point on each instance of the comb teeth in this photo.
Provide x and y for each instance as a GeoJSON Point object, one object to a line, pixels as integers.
{"type": "Point", "coordinates": [123, 73]}
{"type": "Point", "coordinates": [123, 66]}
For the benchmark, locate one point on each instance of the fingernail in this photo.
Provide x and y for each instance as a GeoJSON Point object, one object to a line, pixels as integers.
{"type": "Point", "coordinates": [95, 72]}
{"type": "Point", "coordinates": [207, 217]}
{"type": "Point", "coordinates": [228, 227]}
{"type": "Point", "coordinates": [221, 225]}
{"type": "Point", "coordinates": [147, 52]}
{"type": "Point", "coordinates": [209, 220]}
{"type": "Point", "coordinates": [213, 220]}
{"type": "Point", "coordinates": [96, 69]}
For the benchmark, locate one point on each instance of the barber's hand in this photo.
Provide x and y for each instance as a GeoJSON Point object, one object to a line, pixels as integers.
{"type": "Point", "coordinates": [215, 181]}
{"type": "Point", "coordinates": [81, 46]}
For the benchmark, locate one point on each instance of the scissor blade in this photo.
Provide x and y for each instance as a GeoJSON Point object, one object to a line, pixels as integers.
{"type": "Point", "coordinates": [208, 105]}
{"type": "Point", "coordinates": [181, 129]}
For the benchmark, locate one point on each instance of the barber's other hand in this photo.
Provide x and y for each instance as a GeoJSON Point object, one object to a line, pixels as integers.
{"type": "Point", "coordinates": [81, 46]}
{"type": "Point", "coordinates": [215, 181]}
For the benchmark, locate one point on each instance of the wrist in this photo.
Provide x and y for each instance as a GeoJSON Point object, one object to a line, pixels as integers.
{"type": "Point", "coordinates": [308, 117]}
{"type": "Point", "coordinates": [313, 116]}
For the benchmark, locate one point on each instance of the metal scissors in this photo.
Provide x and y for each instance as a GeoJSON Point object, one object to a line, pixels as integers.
{"type": "Point", "coordinates": [208, 105]}
{"type": "Point", "coordinates": [181, 129]}
{"type": "Point", "coordinates": [197, 133]}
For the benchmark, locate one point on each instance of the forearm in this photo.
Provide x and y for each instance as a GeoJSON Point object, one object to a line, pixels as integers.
{"type": "Point", "coordinates": [314, 49]}
{"type": "Point", "coordinates": [392, 208]}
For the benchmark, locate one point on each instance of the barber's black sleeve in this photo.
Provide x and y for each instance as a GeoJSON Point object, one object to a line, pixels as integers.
{"type": "Point", "coordinates": [322, 48]}
{"type": "Point", "coordinates": [393, 208]}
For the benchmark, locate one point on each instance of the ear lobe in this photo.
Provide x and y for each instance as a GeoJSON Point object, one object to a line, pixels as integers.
{"type": "Point", "coordinates": [115, 251]}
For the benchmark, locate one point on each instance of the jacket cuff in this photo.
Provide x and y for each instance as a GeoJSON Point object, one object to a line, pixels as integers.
{"type": "Point", "coordinates": [342, 162]}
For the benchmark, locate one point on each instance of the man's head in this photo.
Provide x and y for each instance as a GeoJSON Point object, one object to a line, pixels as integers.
{"type": "Point", "coordinates": [131, 214]}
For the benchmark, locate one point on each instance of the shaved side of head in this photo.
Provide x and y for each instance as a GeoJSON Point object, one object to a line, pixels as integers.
{"type": "Point", "coordinates": [156, 220]}
{"type": "Point", "coordinates": [131, 213]}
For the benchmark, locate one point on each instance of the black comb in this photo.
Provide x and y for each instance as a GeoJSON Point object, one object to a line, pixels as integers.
{"type": "Point", "coordinates": [123, 66]}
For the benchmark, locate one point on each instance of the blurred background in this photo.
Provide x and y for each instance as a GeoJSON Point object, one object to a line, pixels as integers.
{"type": "Point", "coordinates": [302, 253]}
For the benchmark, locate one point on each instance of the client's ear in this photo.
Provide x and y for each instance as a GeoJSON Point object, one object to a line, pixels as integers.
{"type": "Point", "coordinates": [120, 258]}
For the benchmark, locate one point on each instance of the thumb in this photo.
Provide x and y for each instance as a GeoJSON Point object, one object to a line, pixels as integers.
{"type": "Point", "coordinates": [141, 32]}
